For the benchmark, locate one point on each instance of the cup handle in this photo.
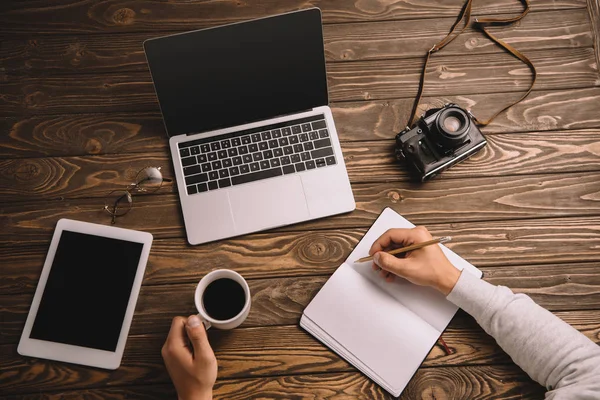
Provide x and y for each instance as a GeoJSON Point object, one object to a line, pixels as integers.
{"type": "Point", "coordinates": [206, 323]}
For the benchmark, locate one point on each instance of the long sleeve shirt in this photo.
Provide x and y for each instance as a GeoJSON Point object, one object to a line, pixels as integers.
{"type": "Point", "coordinates": [549, 350]}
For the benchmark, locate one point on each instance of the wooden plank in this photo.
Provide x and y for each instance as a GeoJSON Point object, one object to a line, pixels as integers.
{"type": "Point", "coordinates": [148, 392]}
{"type": "Point", "coordinates": [69, 16]}
{"type": "Point", "coordinates": [283, 349]}
{"type": "Point", "coordinates": [105, 93]}
{"type": "Point", "coordinates": [290, 352]}
{"type": "Point", "coordinates": [39, 179]}
{"type": "Point", "coordinates": [43, 55]}
{"type": "Point", "coordinates": [280, 301]}
{"type": "Point", "coordinates": [504, 155]}
{"type": "Point", "coordinates": [370, 161]}
{"type": "Point", "coordinates": [94, 176]}
{"type": "Point", "coordinates": [485, 244]}
{"type": "Point", "coordinates": [366, 162]}
{"type": "Point", "coordinates": [506, 382]}
{"type": "Point", "coordinates": [540, 196]}
{"type": "Point", "coordinates": [386, 40]}
{"type": "Point", "coordinates": [540, 111]}
{"type": "Point", "coordinates": [439, 383]}
{"type": "Point", "coordinates": [451, 75]}
{"type": "Point", "coordinates": [361, 80]}
{"type": "Point", "coordinates": [572, 285]}
{"type": "Point", "coordinates": [77, 177]}
{"type": "Point", "coordinates": [594, 14]}
{"type": "Point", "coordinates": [256, 352]}
{"type": "Point", "coordinates": [43, 136]}
{"type": "Point", "coordinates": [40, 136]}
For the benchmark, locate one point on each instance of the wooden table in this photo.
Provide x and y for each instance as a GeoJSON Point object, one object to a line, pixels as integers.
{"type": "Point", "coordinates": [80, 118]}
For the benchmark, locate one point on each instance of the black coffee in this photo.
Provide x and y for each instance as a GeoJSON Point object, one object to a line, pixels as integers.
{"type": "Point", "coordinates": [223, 299]}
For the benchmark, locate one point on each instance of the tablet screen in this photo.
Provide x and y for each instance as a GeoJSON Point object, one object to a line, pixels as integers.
{"type": "Point", "coordinates": [87, 291]}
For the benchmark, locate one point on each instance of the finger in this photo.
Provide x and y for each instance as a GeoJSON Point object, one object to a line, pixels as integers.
{"type": "Point", "coordinates": [177, 332]}
{"type": "Point", "coordinates": [389, 263]}
{"type": "Point", "coordinates": [398, 236]}
{"type": "Point", "coordinates": [196, 332]}
{"type": "Point", "coordinates": [390, 277]}
{"type": "Point", "coordinates": [176, 343]}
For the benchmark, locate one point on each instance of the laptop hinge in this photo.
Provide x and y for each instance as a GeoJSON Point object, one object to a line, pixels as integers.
{"type": "Point", "coordinates": [277, 116]}
{"type": "Point", "coordinates": [295, 112]}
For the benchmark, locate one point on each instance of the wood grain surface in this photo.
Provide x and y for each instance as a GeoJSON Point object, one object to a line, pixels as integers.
{"type": "Point", "coordinates": [63, 178]}
{"type": "Point", "coordinates": [281, 300]}
{"type": "Point", "coordinates": [594, 11]}
{"type": "Point", "coordinates": [79, 118]}
{"type": "Point", "coordinates": [320, 252]}
{"type": "Point", "coordinates": [50, 55]}
{"type": "Point", "coordinates": [505, 381]}
{"type": "Point", "coordinates": [156, 392]}
{"type": "Point", "coordinates": [495, 199]}
{"type": "Point", "coordinates": [72, 16]}
{"type": "Point", "coordinates": [355, 121]}
{"type": "Point", "coordinates": [360, 80]}
{"type": "Point", "coordinates": [288, 348]}
{"type": "Point", "coordinates": [439, 383]}
{"type": "Point", "coordinates": [366, 161]}
{"type": "Point", "coordinates": [283, 349]}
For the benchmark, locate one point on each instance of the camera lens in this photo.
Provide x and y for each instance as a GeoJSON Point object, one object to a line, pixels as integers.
{"type": "Point", "coordinates": [452, 124]}
{"type": "Point", "coordinates": [452, 127]}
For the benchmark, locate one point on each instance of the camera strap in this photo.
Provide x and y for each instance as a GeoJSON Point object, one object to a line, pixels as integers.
{"type": "Point", "coordinates": [482, 24]}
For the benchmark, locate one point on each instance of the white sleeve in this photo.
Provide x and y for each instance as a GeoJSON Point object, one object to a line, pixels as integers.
{"type": "Point", "coordinates": [549, 350]}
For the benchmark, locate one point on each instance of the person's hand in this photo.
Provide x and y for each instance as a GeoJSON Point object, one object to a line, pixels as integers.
{"type": "Point", "coordinates": [427, 266]}
{"type": "Point", "coordinates": [193, 370]}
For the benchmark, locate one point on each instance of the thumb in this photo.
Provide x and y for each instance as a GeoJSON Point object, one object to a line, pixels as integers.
{"type": "Point", "coordinates": [389, 263]}
{"type": "Point", "coordinates": [197, 334]}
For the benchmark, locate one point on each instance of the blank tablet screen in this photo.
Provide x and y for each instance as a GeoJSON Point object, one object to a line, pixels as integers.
{"type": "Point", "coordinates": [87, 291]}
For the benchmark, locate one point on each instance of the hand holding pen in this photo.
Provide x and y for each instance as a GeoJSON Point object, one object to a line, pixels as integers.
{"type": "Point", "coordinates": [425, 264]}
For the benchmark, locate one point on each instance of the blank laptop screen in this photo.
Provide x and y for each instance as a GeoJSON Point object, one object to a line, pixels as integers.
{"type": "Point", "coordinates": [239, 73]}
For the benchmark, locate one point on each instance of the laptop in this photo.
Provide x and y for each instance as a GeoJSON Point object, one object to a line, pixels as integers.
{"type": "Point", "coordinates": [252, 138]}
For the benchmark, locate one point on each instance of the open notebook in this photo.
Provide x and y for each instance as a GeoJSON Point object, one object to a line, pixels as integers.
{"type": "Point", "coordinates": [383, 329]}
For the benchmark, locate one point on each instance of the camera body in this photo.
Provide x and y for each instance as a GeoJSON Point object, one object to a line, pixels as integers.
{"type": "Point", "coordinates": [441, 138]}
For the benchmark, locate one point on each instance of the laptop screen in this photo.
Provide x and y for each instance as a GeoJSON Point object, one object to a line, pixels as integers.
{"type": "Point", "coordinates": [235, 74]}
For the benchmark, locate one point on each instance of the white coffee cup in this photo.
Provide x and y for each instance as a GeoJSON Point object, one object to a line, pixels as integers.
{"type": "Point", "coordinates": [203, 284]}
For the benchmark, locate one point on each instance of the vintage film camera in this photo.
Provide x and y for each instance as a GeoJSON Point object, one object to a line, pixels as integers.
{"type": "Point", "coordinates": [441, 138]}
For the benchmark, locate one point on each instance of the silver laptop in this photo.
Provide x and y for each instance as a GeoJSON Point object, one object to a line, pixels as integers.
{"type": "Point", "coordinates": [252, 138]}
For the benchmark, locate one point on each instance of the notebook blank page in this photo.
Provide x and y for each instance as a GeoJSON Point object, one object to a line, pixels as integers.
{"type": "Point", "coordinates": [372, 325]}
{"type": "Point", "coordinates": [427, 303]}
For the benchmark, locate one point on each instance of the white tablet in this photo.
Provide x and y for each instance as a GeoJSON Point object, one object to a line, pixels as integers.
{"type": "Point", "coordinates": [84, 301]}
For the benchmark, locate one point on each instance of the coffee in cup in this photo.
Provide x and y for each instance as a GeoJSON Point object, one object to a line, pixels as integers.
{"type": "Point", "coordinates": [223, 299]}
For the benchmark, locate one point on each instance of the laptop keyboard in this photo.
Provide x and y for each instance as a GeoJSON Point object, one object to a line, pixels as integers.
{"type": "Point", "coordinates": [254, 154]}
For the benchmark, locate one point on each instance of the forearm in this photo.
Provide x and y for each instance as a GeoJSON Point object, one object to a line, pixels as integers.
{"type": "Point", "coordinates": [549, 350]}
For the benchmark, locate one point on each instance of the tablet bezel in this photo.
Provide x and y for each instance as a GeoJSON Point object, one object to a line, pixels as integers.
{"type": "Point", "coordinates": [77, 354]}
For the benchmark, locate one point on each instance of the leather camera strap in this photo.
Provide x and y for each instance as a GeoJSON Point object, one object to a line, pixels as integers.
{"type": "Point", "coordinates": [482, 24]}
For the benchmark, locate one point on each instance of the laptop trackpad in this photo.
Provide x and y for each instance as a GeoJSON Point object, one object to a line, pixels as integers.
{"type": "Point", "coordinates": [268, 204]}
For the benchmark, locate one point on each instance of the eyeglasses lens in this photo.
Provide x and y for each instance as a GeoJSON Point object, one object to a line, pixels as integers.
{"type": "Point", "coordinates": [149, 179]}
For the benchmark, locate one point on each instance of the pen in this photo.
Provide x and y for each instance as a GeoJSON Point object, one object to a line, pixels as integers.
{"type": "Point", "coordinates": [409, 248]}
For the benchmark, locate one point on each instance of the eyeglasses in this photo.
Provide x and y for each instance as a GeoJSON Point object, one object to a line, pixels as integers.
{"type": "Point", "coordinates": [119, 202]}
